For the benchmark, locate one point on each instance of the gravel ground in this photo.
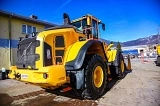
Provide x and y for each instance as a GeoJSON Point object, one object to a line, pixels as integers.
{"type": "Point", "coordinates": [15, 88]}
{"type": "Point", "coordinates": [141, 87]}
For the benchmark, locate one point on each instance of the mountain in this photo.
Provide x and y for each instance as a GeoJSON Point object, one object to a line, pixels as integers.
{"type": "Point", "coordinates": [104, 40]}
{"type": "Point", "coordinates": [142, 41]}
{"type": "Point", "coordinates": [153, 39]}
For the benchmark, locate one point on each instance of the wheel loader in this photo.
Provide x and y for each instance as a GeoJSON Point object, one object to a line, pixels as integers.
{"type": "Point", "coordinates": [158, 54]}
{"type": "Point", "coordinates": [71, 54]}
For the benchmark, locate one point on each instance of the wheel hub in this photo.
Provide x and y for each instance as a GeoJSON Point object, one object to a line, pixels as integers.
{"type": "Point", "coordinates": [98, 76]}
{"type": "Point", "coordinates": [122, 66]}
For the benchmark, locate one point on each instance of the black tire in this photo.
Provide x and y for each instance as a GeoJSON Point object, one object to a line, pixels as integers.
{"type": "Point", "coordinates": [2, 75]}
{"type": "Point", "coordinates": [116, 71]}
{"type": "Point", "coordinates": [158, 60]}
{"type": "Point", "coordinates": [121, 67]}
{"type": "Point", "coordinates": [91, 91]}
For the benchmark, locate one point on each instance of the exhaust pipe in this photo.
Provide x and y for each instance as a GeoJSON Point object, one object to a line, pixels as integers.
{"type": "Point", "coordinates": [66, 19]}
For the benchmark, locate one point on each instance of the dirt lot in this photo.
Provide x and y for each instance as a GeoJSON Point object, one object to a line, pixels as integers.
{"type": "Point", "coordinates": [141, 87]}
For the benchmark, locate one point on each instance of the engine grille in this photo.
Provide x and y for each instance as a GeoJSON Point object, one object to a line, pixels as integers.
{"type": "Point", "coordinates": [26, 53]}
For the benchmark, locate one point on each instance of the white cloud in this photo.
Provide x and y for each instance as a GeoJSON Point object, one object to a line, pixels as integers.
{"type": "Point", "coordinates": [64, 4]}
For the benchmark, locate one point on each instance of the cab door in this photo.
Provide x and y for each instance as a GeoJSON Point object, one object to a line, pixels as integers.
{"type": "Point", "coordinates": [59, 47]}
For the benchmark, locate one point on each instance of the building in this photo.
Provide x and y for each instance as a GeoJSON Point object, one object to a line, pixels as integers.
{"type": "Point", "coordinates": [148, 50]}
{"type": "Point", "coordinates": [13, 26]}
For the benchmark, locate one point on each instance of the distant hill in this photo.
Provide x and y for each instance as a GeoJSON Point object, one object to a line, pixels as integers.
{"type": "Point", "coordinates": [108, 41]}
{"type": "Point", "coordinates": [104, 40]}
{"type": "Point", "coordinates": [142, 41]}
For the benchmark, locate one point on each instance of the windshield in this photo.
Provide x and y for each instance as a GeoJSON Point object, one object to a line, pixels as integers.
{"type": "Point", "coordinates": [80, 23]}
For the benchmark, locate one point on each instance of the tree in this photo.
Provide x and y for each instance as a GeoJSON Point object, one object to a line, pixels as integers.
{"type": "Point", "coordinates": [119, 46]}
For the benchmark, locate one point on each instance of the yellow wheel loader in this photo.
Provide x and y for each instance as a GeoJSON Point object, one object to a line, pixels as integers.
{"type": "Point", "coordinates": [158, 54]}
{"type": "Point", "coordinates": [72, 54]}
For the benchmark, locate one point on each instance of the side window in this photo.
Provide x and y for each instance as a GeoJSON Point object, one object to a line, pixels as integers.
{"type": "Point", "coordinates": [24, 27]}
{"type": "Point", "coordinates": [33, 29]}
{"type": "Point", "coordinates": [59, 41]}
{"type": "Point", "coordinates": [28, 29]}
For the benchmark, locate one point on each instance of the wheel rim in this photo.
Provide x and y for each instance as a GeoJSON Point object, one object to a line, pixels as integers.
{"type": "Point", "coordinates": [122, 66]}
{"type": "Point", "coordinates": [98, 76]}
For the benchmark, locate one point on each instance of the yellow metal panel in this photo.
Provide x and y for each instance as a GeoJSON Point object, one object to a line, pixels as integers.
{"type": "Point", "coordinates": [70, 37]}
{"type": "Point", "coordinates": [49, 32]}
{"type": "Point", "coordinates": [74, 50]}
{"type": "Point", "coordinates": [158, 49]}
{"type": "Point", "coordinates": [56, 75]}
{"type": "Point", "coordinates": [88, 20]}
{"type": "Point", "coordinates": [111, 55]}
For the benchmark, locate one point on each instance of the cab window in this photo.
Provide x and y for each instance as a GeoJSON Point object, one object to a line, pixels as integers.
{"type": "Point", "coordinates": [94, 29]}
{"type": "Point", "coordinates": [80, 23]}
{"type": "Point", "coordinates": [77, 24]}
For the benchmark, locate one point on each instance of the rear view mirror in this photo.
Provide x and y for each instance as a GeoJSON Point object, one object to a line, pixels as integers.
{"type": "Point", "coordinates": [103, 26]}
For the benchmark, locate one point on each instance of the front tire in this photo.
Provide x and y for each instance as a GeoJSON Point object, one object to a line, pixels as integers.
{"type": "Point", "coordinates": [121, 67]}
{"type": "Point", "coordinates": [95, 78]}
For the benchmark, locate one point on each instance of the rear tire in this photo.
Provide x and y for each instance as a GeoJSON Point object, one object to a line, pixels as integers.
{"type": "Point", "coordinates": [95, 78]}
{"type": "Point", "coordinates": [158, 60]}
{"type": "Point", "coordinates": [118, 71]}
{"type": "Point", "coordinates": [121, 67]}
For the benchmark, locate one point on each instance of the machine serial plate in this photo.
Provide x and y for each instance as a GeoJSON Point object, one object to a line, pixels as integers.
{"type": "Point", "coordinates": [24, 76]}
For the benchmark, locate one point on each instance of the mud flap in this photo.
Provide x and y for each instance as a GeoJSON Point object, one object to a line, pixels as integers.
{"type": "Point", "coordinates": [77, 79]}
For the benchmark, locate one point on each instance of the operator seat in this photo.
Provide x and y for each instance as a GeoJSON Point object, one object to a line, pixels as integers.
{"type": "Point", "coordinates": [87, 31]}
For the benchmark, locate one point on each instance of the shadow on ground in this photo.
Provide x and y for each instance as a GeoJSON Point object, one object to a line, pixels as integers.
{"type": "Point", "coordinates": [76, 95]}
{"type": "Point", "coordinates": [71, 94]}
{"type": "Point", "coordinates": [114, 82]}
{"type": "Point", "coordinates": [156, 63]}
{"type": "Point", "coordinates": [51, 100]}
{"type": "Point", "coordinates": [5, 100]}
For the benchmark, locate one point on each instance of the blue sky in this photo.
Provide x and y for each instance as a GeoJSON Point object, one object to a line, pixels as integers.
{"type": "Point", "coordinates": [125, 19]}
